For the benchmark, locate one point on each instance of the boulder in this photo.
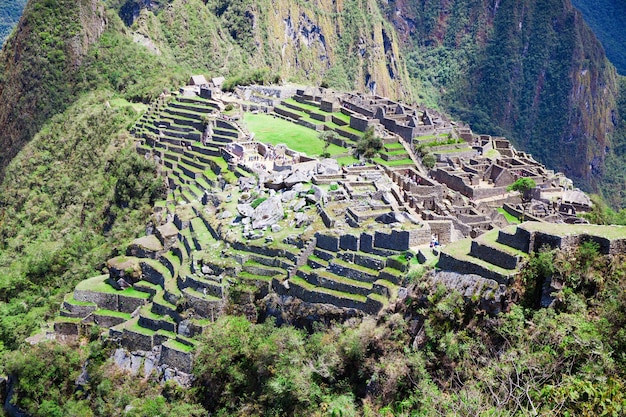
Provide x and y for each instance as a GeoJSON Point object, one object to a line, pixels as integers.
{"type": "Point", "coordinates": [328, 166]}
{"type": "Point", "coordinates": [267, 213]}
{"type": "Point", "coordinates": [299, 204]}
{"type": "Point", "coordinates": [396, 217]}
{"type": "Point", "coordinates": [246, 183]}
{"type": "Point", "coordinates": [289, 196]}
{"type": "Point", "coordinates": [224, 215]}
{"type": "Point", "coordinates": [297, 177]}
{"type": "Point", "coordinates": [302, 220]}
{"type": "Point", "coordinates": [246, 210]}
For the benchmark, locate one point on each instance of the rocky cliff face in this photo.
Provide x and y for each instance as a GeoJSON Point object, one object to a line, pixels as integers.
{"type": "Point", "coordinates": [38, 67]}
{"type": "Point", "coordinates": [335, 41]}
{"type": "Point", "coordinates": [536, 74]}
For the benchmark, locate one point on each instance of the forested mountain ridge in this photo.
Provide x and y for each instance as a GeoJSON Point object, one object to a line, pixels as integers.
{"type": "Point", "coordinates": [10, 12]}
{"type": "Point", "coordinates": [531, 71]}
{"type": "Point", "coordinates": [607, 19]}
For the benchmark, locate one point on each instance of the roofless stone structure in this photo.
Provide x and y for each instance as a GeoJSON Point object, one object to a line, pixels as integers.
{"type": "Point", "coordinates": [245, 219]}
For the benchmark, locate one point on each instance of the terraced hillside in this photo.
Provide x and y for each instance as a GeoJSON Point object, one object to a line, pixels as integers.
{"type": "Point", "coordinates": [197, 262]}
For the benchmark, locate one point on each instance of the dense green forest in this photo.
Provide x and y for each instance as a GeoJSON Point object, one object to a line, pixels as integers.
{"type": "Point", "coordinates": [607, 18]}
{"type": "Point", "coordinates": [10, 12]}
{"type": "Point", "coordinates": [77, 193]}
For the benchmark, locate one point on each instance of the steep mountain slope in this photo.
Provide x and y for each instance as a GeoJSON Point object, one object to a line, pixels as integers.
{"type": "Point", "coordinates": [532, 71]}
{"type": "Point", "coordinates": [39, 66]}
{"type": "Point", "coordinates": [10, 12]}
{"type": "Point", "coordinates": [607, 18]}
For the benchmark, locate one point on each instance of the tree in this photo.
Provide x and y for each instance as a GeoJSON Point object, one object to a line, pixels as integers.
{"type": "Point", "coordinates": [369, 144]}
{"type": "Point", "coordinates": [429, 160]}
{"type": "Point", "coordinates": [328, 136]}
{"type": "Point", "coordinates": [523, 185]}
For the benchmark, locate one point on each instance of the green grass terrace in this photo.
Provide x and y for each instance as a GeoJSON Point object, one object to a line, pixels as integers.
{"type": "Point", "coordinates": [273, 130]}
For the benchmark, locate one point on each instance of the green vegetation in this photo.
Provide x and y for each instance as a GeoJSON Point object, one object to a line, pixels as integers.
{"type": "Point", "coordinates": [509, 217]}
{"type": "Point", "coordinates": [468, 60]}
{"type": "Point", "coordinates": [564, 360]}
{"type": "Point", "coordinates": [10, 12]}
{"type": "Point", "coordinates": [272, 130]}
{"type": "Point", "coordinates": [522, 185]}
{"type": "Point", "coordinates": [607, 19]}
{"type": "Point", "coordinates": [429, 160]}
{"type": "Point", "coordinates": [78, 189]}
{"type": "Point", "coordinates": [369, 144]}
{"type": "Point", "coordinates": [71, 196]}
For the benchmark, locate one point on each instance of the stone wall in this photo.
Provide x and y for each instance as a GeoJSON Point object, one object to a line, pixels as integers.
{"type": "Point", "coordinates": [449, 263]}
{"type": "Point", "coordinates": [132, 340]}
{"type": "Point", "coordinates": [182, 361]}
{"type": "Point", "coordinates": [127, 304]}
{"type": "Point", "coordinates": [494, 256]}
{"type": "Point", "coordinates": [366, 242]}
{"type": "Point", "coordinates": [443, 230]}
{"type": "Point", "coordinates": [519, 240]}
{"type": "Point", "coordinates": [396, 240]}
{"type": "Point", "coordinates": [107, 321]}
{"type": "Point", "coordinates": [328, 221]}
{"type": "Point", "coordinates": [107, 301]}
{"type": "Point", "coordinates": [349, 242]}
{"type": "Point", "coordinates": [359, 123]}
{"type": "Point", "coordinates": [327, 242]}
{"type": "Point", "coordinates": [370, 306]}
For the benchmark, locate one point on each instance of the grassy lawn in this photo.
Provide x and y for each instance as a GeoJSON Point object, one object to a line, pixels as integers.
{"type": "Point", "coordinates": [381, 161]}
{"type": "Point", "coordinates": [303, 105]}
{"type": "Point", "coordinates": [509, 217]}
{"type": "Point", "coordinates": [299, 138]}
{"type": "Point", "coordinates": [347, 160]}
{"type": "Point", "coordinates": [342, 116]}
{"type": "Point", "coordinates": [609, 232]}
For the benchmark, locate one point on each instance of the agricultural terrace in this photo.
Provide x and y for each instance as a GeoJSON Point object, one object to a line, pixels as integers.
{"type": "Point", "coordinates": [273, 130]}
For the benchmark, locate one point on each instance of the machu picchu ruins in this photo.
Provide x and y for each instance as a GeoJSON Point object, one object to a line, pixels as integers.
{"type": "Point", "coordinates": [246, 218]}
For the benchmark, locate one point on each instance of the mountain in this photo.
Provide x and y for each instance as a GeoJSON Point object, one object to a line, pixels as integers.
{"type": "Point", "coordinates": [76, 75]}
{"type": "Point", "coordinates": [607, 18]}
{"type": "Point", "coordinates": [531, 71]}
{"type": "Point", "coordinates": [10, 12]}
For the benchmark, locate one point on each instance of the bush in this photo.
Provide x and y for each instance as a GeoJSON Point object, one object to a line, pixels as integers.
{"type": "Point", "coordinates": [429, 160]}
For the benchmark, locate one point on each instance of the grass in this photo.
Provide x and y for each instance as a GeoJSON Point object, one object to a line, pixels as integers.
{"type": "Point", "coordinates": [69, 298]}
{"type": "Point", "coordinates": [112, 313]}
{"type": "Point", "coordinates": [121, 103]}
{"type": "Point", "coordinates": [347, 160]}
{"type": "Point", "coordinates": [131, 292]}
{"type": "Point", "coordinates": [399, 162]}
{"type": "Point", "coordinates": [176, 345]}
{"type": "Point", "coordinates": [509, 217]}
{"type": "Point", "coordinates": [492, 154]}
{"type": "Point", "coordinates": [272, 130]}
{"type": "Point", "coordinates": [342, 116]}
{"type": "Point", "coordinates": [303, 105]}
{"type": "Point", "coordinates": [97, 284]}
{"type": "Point", "coordinates": [608, 232]}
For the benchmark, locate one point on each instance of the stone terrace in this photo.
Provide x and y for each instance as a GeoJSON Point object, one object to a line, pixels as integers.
{"type": "Point", "coordinates": [232, 226]}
